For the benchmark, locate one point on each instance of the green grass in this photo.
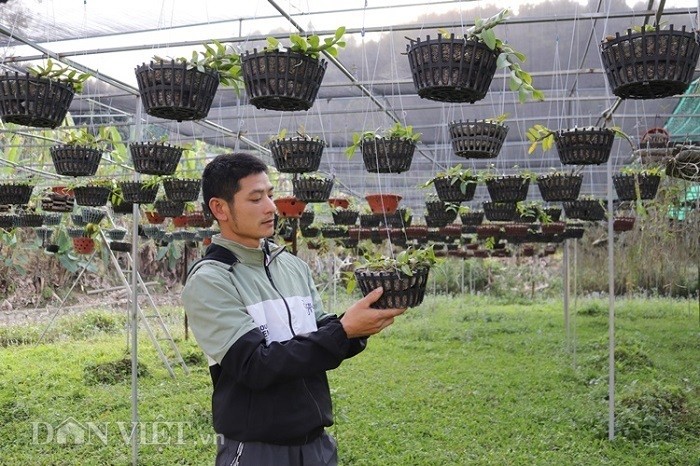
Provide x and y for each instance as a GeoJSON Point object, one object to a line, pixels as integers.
{"type": "Point", "coordinates": [458, 381]}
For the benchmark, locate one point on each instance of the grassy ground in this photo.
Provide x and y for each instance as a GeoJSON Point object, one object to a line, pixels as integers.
{"type": "Point", "coordinates": [458, 381]}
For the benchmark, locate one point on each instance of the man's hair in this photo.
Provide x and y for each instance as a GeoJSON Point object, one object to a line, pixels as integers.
{"type": "Point", "coordinates": [221, 176]}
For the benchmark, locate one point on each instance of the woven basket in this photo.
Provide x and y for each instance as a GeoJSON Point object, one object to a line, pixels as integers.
{"type": "Point", "coordinates": [282, 80]}
{"type": "Point", "coordinates": [449, 191]}
{"type": "Point", "coordinates": [182, 189]}
{"type": "Point", "coordinates": [95, 196]}
{"type": "Point", "coordinates": [37, 102]}
{"type": "Point", "coordinates": [478, 139]}
{"type": "Point", "coordinates": [400, 290]}
{"type": "Point", "coordinates": [13, 193]}
{"type": "Point", "coordinates": [585, 209]}
{"type": "Point", "coordinates": [155, 158]}
{"type": "Point", "coordinates": [650, 64]}
{"type": "Point", "coordinates": [685, 165]}
{"type": "Point", "coordinates": [387, 155]}
{"type": "Point", "coordinates": [174, 91]}
{"type": "Point", "coordinates": [312, 189]}
{"type": "Point", "coordinates": [584, 146]}
{"type": "Point", "coordinates": [509, 188]}
{"type": "Point", "coordinates": [135, 192]}
{"type": "Point", "coordinates": [296, 155]}
{"type": "Point", "coordinates": [451, 69]}
{"type": "Point", "coordinates": [626, 186]}
{"type": "Point", "coordinates": [557, 188]}
{"type": "Point", "coordinates": [75, 160]}
{"type": "Point", "coordinates": [500, 211]}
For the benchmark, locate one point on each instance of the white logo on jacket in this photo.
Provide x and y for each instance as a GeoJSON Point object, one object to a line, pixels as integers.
{"type": "Point", "coordinates": [272, 315]}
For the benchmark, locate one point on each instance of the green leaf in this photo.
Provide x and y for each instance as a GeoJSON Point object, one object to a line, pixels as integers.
{"type": "Point", "coordinates": [502, 61]}
{"type": "Point", "coordinates": [489, 38]}
{"type": "Point", "coordinates": [339, 32]}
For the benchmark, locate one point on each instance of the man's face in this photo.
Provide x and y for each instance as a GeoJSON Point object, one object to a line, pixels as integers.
{"type": "Point", "coordinates": [250, 217]}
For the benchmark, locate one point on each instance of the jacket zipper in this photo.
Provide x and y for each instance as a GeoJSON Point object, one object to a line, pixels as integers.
{"type": "Point", "coordinates": [286, 304]}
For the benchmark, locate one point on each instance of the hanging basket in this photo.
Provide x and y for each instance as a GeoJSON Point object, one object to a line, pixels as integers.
{"type": "Point", "coordinates": [118, 246]}
{"type": "Point", "coordinates": [15, 193]}
{"type": "Point", "coordinates": [123, 208]}
{"type": "Point", "coordinates": [71, 160]}
{"type": "Point", "coordinates": [182, 189]}
{"type": "Point", "coordinates": [440, 219]}
{"type": "Point", "coordinates": [308, 189]}
{"type": "Point", "coordinates": [135, 192]}
{"type": "Point", "coordinates": [383, 203]}
{"type": "Point", "coordinates": [30, 101]}
{"type": "Point", "coordinates": [7, 222]}
{"type": "Point", "coordinates": [90, 215]}
{"type": "Point", "coordinates": [155, 158]}
{"type": "Point", "coordinates": [584, 146]}
{"type": "Point", "coordinates": [621, 224]}
{"type": "Point", "coordinates": [95, 196]}
{"type": "Point", "coordinates": [399, 219]}
{"type": "Point", "coordinates": [559, 187]}
{"type": "Point", "coordinates": [488, 230]}
{"type": "Point", "coordinates": [474, 217]}
{"type": "Point", "coordinates": [627, 186]}
{"type": "Point", "coordinates": [400, 290]}
{"type": "Point", "coordinates": [451, 191]}
{"type": "Point", "coordinates": [685, 165]}
{"type": "Point", "coordinates": [387, 155]}
{"type": "Point", "coordinates": [370, 220]}
{"type": "Point", "coordinates": [334, 231]}
{"type": "Point", "coordinates": [345, 216]}
{"type": "Point", "coordinates": [116, 234]}
{"type": "Point", "coordinates": [650, 64]}
{"type": "Point", "coordinates": [297, 155]}
{"type": "Point", "coordinates": [28, 219]}
{"type": "Point", "coordinates": [289, 207]}
{"type": "Point", "coordinates": [168, 208]}
{"type": "Point", "coordinates": [478, 139]}
{"type": "Point", "coordinates": [508, 188]}
{"type": "Point", "coordinates": [52, 219]}
{"type": "Point", "coordinates": [655, 138]}
{"type": "Point", "coordinates": [554, 213]}
{"type": "Point", "coordinates": [282, 80]}
{"type": "Point", "coordinates": [174, 91]}
{"type": "Point", "coordinates": [451, 69]}
{"type": "Point", "coordinates": [553, 228]}
{"type": "Point", "coordinates": [591, 210]}
{"type": "Point", "coordinates": [500, 211]}
{"type": "Point", "coordinates": [83, 245]}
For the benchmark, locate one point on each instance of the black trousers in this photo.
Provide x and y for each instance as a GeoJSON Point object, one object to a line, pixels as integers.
{"type": "Point", "coordinates": [320, 452]}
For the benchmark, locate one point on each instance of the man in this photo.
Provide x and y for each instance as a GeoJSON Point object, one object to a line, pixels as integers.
{"type": "Point", "coordinates": [256, 313]}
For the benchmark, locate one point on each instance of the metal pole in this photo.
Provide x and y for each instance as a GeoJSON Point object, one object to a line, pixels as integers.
{"type": "Point", "coordinates": [566, 294]}
{"type": "Point", "coordinates": [611, 309]}
{"type": "Point", "coordinates": [134, 307]}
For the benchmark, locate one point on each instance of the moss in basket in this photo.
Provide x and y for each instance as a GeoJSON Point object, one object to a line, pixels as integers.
{"type": "Point", "coordinates": [397, 131]}
{"type": "Point", "coordinates": [406, 262]}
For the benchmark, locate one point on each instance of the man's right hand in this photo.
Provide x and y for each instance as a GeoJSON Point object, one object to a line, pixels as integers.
{"type": "Point", "coordinates": [360, 320]}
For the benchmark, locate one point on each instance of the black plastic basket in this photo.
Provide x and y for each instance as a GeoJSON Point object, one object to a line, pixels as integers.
{"type": "Point", "coordinates": [312, 189]}
{"type": "Point", "coordinates": [440, 219]}
{"type": "Point", "coordinates": [478, 139]}
{"type": "Point", "coordinates": [584, 146]}
{"type": "Point", "coordinates": [510, 188]}
{"type": "Point", "coordinates": [387, 155]}
{"type": "Point", "coordinates": [119, 246]}
{"type": "Point", "coordinates": [95, 196]}
{"type": "Point", "coordinates": [13, 193]}
{"type": "Point", "coordinates": [30, 101]}
{"type": "Point", "coordinates": [7, 221]}
{"type": "Point", "coordinates": [591, 210]}
{"type": "Point", "coordinates": [90, 215]}
{"type": "Point", "coordinates": [450, 69]}
{"type": "Point", "coordinates": [650, 64]}
{"type": "Point", "coordinates": [400, 290]}
{"type": "Point", "coordinates": [296, 155]}
{"type": "Point", "coordinates": [449, 191]}
{"type": "Point", "coordinates": [557, 188]}
{"type": "Point", "coordinates": [182, 189]}
{"type": "Point", "coordinates": [282, 80]}
{"type": "Point", "coordinates": [500, 211]}
{"type": "Point", "coordinates": [626, 186]}
{"type": "Point", "coordinates": [175, 91]}
{"type": "Point", "coordinates": [155, 158]}
{"type": "Point", "coordinates": [75, 160]}
{"type": "Point", "coordinates": [28, 219]}
{"type": "Point", "coordinates": [345, 216]}
{"type": "Point", "coordinates": [475, 217]}
{"type": "Point", "coordinates": [168, 208]}
{"type": "Point", "coordinates": [370, 220]}
{"type": "Point", "coordinates": [135, 192]}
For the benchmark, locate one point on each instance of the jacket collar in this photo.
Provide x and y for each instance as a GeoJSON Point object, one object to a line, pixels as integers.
{"type": "Point", "coordinates": [255, 256]}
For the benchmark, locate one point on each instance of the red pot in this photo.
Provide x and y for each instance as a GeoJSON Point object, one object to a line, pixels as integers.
{"type": "Point", "coordinates": [83, 245]}
{"type": "Point", "coordinates": [62, 190]}
{"type": "Point", "coordinates": [339, 202]}
{"type": "Point", "coordinates": [180, 221]}
{"type": "Point", "coordinates": [621, 224]}
{"type": "Point", "coordinates": [154, 218]}
{"type": "Point", "coordinates": [383, 203]}
{"type": "Point", "coordinates": [289, 207]}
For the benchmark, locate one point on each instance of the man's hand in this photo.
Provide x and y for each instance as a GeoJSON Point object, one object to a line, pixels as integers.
{"type": "Point", "coordinates": [360, 320]}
